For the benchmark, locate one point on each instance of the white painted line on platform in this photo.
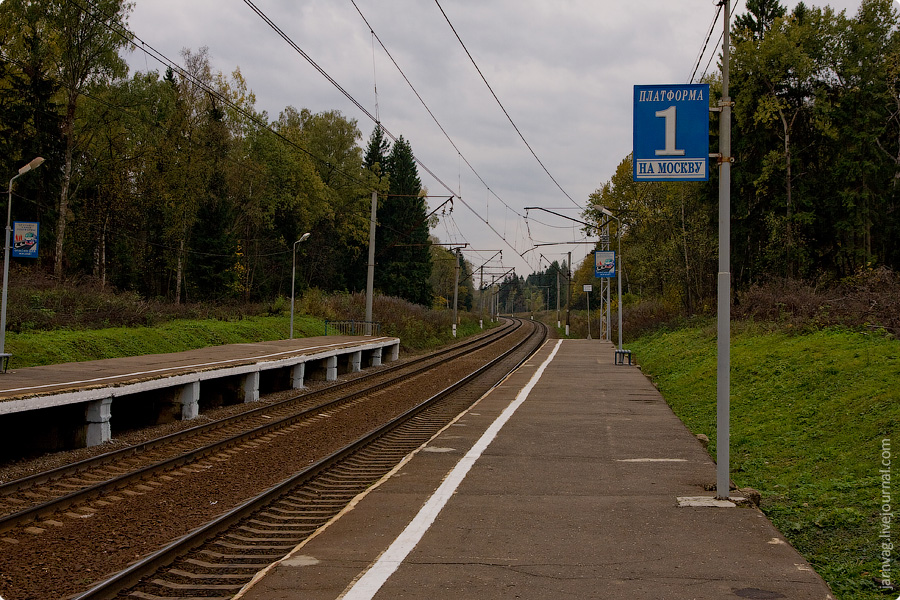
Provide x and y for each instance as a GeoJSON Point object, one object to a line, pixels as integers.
{"type": "Point", "coordinates": [175, 368]}
{"type": "Point", "coordinates": [647, 460]}
{"type": "Point", "coordinates": [371, 581]}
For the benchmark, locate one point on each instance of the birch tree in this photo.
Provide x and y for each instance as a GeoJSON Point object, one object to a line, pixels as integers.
{"type": "Point", "coordinates": [83, 49]}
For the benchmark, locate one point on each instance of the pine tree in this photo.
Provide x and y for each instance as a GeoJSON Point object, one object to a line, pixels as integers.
{"type": "Point", "coordinates": [404, 260]}
{"type": "Point", "coordinates": [759, 18]}
{"type": "Point", "coordinates": [377, 152]}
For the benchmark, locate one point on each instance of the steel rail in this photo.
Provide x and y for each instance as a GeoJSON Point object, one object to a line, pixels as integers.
{"type": "Point", "coordinates": [116, 455]}
{"type": "Point", "coordinates": [92, 491]}
{"type": "Point", "coordinates": [133, 574]}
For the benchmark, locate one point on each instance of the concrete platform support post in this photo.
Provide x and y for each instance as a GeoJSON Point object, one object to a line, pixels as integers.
{"type": "Point", "coordinates": [189, 398]}
{"type": "Point", "coordinates": [375, 358]}
{"type": "Point", "coordinates": [251, 387]}
{"type": "Point", "coordinates": [97, 416]}
{"type": "Point", "coordinates": [298, 371]}
{"type": "Point", "coordinates": [331, 368]}
{"type": "Point", "coordinates": [394, 352]}
{"type": "Point", "coordinates": [356, 361]}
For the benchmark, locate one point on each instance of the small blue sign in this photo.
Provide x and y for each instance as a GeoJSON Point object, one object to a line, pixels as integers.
{"type": "Point", "coordinates": [604, 264]}
{"type": "Point", "coordinates": [25, 239]}
{"type": "Point", "coordinates": [671, 132]}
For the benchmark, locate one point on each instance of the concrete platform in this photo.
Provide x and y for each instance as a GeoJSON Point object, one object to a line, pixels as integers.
{"type": "Point", "coordinates": [564, 486]}
{"type": "Point", "coordinates": [160, 387]}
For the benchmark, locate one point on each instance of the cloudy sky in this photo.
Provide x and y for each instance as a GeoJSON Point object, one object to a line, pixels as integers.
{"type": "Point", "coordinates": [563, 69]}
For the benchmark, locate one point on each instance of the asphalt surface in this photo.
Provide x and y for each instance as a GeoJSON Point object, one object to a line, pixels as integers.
{"type": "Point", "coordinates": [578, 493]}
{"type": "Point", "coordinates": [68, 377]}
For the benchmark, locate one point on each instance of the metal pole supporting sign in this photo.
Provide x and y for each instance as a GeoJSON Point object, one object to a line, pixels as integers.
{"type": "Point", "coordinates": [34, 164]}
{"type": "Point", "coordinates": [588, 289]}
{"type": "Point", "coordinates": [671, 143]}
{"type": "Point", "coordinates": [723, 336]}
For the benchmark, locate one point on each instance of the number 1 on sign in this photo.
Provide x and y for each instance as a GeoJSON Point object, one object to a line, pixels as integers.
{"type": "Point", "coordinates": [669, 116]}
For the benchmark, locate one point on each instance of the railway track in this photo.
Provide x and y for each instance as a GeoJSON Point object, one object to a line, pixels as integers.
{"type": "Point", "coordinates": [227, 549]}
{"type": "Point", "coordinates": [42, 494]}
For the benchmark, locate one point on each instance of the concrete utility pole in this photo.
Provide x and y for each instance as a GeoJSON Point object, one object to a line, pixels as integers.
{"type": "Point", "coordinates": [493, 278]}
{"type": "Point", "coordinates": [455, 292]}
{"type": "Point", "coordinates": [481, 288]}
{"type": "Point", "coordinates": [568, 290]}
{"type": "Point", "coordinates": [370, 274]}
{"type": "Point", "coordinates": [723, 342]}
{"type": "Point", "coordinates": [557, 299]}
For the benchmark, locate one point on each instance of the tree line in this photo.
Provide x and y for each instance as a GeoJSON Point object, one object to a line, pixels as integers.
{"type": "Point", "coordinates": [175, 185]}
{"type": "Point", "coordinates": [816, 143]}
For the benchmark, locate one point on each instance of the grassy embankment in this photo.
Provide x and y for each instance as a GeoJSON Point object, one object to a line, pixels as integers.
{"type": "Point", "coordinates": [809, 416]}
{"type": "Point", "coordinates": [34, 348]}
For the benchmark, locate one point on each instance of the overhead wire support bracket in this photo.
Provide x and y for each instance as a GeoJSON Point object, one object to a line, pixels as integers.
{"type": "Point", "coordinates": [564, 216]}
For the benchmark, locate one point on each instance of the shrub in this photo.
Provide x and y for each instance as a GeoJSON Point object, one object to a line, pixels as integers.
{"type": "Point", "coordinates": [39, 303]}
{"type": "Point", "coordinates": [871, 298]}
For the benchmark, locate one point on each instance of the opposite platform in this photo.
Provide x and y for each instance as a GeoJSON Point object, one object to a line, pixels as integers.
{"type": "Point", "coordinates": [71, 405]}
{"type": "Point", "coordinates": [565, 485]}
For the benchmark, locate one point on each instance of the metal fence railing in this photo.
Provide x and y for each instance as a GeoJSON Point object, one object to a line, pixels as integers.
{"type": "Point", "coordinates": [352, 328]}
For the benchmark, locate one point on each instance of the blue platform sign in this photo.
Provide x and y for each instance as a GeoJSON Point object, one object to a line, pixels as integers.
{"type": "Point", "coordinates": [671, 132]}
{"type": "Point", "coordinates": [25, 239]}
{"type": "Point", "coordinates": [604, 264]}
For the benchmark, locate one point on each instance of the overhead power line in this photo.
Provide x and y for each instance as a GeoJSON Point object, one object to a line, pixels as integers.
{"type": "Point", "coordinates": [718, 43]}
{"type": "Point", "coordinates": [309, 59]}
{"type": "Point", "coordinates": [503, 108]}
{"type": "Point", "coordinates": [130, 37]}
{"type": "Point", "coordinates": [340, 88]}
{"type": "Point", "coordinates": [712, 26]}
{"type": "Point", "coordinates": [430, 112]}
{"type": "Point", "coordinates": [149, 50]}
{"type": "Point", "coordinates": [378, 123]}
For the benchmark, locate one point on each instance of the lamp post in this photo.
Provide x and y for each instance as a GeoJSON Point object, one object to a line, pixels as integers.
{"type": "Point", "coordinates": [303, 238]}
{"type": "Point", "coordinates": [587, 290]}
{"type": "Point", "coordinates": [608, 213]}
{"type": "Point", "coordinates": [34, 164]}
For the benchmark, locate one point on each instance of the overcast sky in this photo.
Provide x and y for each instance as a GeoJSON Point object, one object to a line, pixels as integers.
{"type": "Point", "coordinates": [563, 69]}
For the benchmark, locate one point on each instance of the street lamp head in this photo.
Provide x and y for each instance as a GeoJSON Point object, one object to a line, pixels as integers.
{"type": "Point", "coordinates": [34, 164]}
{"type": "Point", "coordinates": [304, 237]}
{"type": "Point", "coordinates": [606, 212]}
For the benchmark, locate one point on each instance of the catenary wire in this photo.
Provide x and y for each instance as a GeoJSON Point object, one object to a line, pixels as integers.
{"type": "Point", "coordinates": [503, 108]}
{"type": "Point", "coordinates": [719, 42]}
{"type": "Point", "coordinates": [708, 36]}
{"type": "Point", "coordinates": [158, 56]}
{"type": "Point", "coordinates": [369, 114]}
{"type": "Point", "coordinates": [340, 88]}
{"type": "Point", "coordinates": [161, 58]}
{"type": "Point", "coordinates": [130, 37]}
{"type": "Point", "coordinates": [428, 109]}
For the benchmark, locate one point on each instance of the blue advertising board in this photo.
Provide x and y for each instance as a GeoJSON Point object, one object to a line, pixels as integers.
{"type": "Point", "coordinates": [671, 132]}
{"type": "Point", "coordinates": [604, 263]}
{"type": "Point", "coordinates": [25, 239]}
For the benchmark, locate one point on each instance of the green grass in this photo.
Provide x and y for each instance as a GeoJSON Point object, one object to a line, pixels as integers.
{"type": "Point", "coordinates": [808, 416]}
{"type": "Point", "coordinates": [37, 348]}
